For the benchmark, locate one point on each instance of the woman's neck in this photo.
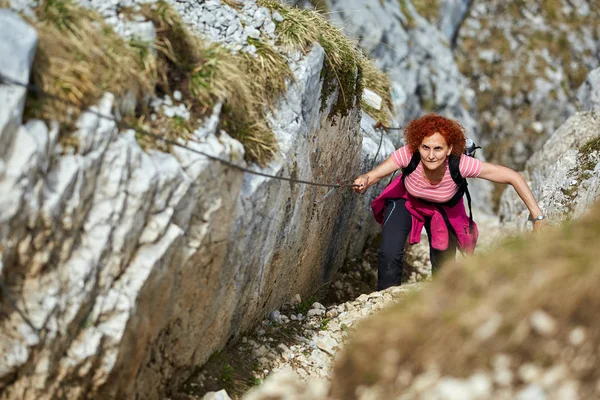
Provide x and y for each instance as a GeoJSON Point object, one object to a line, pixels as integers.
{"type": "Point", "coordinates": [435, 176]}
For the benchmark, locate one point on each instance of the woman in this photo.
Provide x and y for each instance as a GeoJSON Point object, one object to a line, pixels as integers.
{"type": "Point", "coordinates": [427, 197]}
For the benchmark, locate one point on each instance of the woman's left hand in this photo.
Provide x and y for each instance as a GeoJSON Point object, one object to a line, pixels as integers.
{"type": "Point", "coordinates": [539, 224]}
{"type": "Point", "coordinates": [361, 184]}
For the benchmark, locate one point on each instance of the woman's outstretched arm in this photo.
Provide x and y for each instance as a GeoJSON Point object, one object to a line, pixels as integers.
{"type": "Point", "coordinates": [500, 174]}
{"type": "Point", "coordinates": [364, 181]}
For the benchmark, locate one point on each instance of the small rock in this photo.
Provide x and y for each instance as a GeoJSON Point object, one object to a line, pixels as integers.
{"type": "Point", "coordinates": [296, 299]}
{"type": "Point", "coordinates": [531, 392]}
{"type": "Point", "coordinates": [542, 323]}
{"type": "Point", "coordinates": [315, 312]}
{"type": "Point", "coordinates": [220, 395]}
{"type": "Point", "coordinates": [277, 17]}
{"type": "Point", "coordinates": [577, 336]}
{"type": "Point", "coordinates": [275, 316]}
{"type": "Point", "coordinates": [453, 389]}
{"type": "Point", "coordinates": [529, 373]}
{"type": "Point", "coordinates": [252, 32]}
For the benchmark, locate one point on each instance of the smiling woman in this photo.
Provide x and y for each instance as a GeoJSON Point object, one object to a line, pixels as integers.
{"type": "Point", "coordinates": [429, 194]}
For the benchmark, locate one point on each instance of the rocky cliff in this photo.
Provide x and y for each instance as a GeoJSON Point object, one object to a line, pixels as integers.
{"type": "Point", "coordinates": [125, 261]}
{"type": "Point", "coordinates": [524, 61]}
{"type": "Point", "coordinates": [563, 174]}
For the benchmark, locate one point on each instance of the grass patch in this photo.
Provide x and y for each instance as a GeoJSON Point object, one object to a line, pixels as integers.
{"type": "Point", "coordinates": [305, 305]}
{"type": "Point", "coordinates": [233, 4]}
{"type": "Point", "coordinates": [345, 65]}
{"type": "Point", "coordinates": [320, 6]}
{"type": "Point", "coordinates": [207, 73]}
{"type": "Point", "coordinates": [78, 59]}
{"type": "Point", "coordinates": [377, 81]}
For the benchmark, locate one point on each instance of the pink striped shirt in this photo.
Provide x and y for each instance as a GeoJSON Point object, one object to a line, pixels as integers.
{"type": "Point", "coordinates": [418, 186]}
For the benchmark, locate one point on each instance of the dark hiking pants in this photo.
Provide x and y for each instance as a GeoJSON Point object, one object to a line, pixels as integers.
{"type": "Point", "coordinates": [396, 228]}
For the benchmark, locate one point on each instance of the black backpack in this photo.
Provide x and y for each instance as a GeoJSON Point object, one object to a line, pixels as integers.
{"type": "Point", "coordinates": [463, 186]}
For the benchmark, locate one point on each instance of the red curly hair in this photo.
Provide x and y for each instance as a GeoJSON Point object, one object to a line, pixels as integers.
{"type": "Point", "coordinates": [427, 125]}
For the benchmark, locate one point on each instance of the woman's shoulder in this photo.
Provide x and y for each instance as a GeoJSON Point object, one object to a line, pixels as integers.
{"type": "Point", "coordinates": [402, 156]}
{"type": "Point", "coordinates": [469, 167]}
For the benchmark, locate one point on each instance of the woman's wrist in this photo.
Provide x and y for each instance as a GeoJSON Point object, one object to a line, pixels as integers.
{"type": "Point", "coordinates": [539, 217]}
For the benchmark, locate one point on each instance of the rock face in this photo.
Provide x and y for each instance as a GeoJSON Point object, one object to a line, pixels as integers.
{"type": "Point", "coordinates": [563, 174]}
{"type": "Point", "coordinates": [452, 13]}
{"type": "Point", "coordinates": [589, 93]}
{"type": "Point", "coordinates": [19, 40]}
{"type": "Point", "coordinates": [134, 265]}
{"type": "Point", "coordinates": [415, 55]}
{"type": "Point", "coordinates": [525, 63]}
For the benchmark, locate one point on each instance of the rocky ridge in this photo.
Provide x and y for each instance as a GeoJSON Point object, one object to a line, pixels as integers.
{"type": "Point", "coordinates": [119, 255]}
{"type": "Point", "coordinates": [525, 62]}
{"type": "Point", "coordinates": [563, 174]}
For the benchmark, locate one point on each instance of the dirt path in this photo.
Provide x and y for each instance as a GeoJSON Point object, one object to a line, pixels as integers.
{"type": "Point", "coordinates": [297, 342]}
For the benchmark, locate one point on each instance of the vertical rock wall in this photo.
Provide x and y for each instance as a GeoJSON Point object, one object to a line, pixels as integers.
{"type": "Point", "coordinates": [132, 266]}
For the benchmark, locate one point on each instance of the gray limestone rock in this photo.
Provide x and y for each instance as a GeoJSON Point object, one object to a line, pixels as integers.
{"type": "Point", "coordinates": [563, 178]}
{"type": "Point", "coordinates": [18, 42]}
{"type": "Point", "coordinates": [589, 93]}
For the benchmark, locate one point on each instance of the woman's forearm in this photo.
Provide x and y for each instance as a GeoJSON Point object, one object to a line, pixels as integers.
{"type": "Point", "coordinates": [524, 192]}
{"type": "Point", "coordinates": [382, 170]}
{"type": "Point", "coordinates": [501, 174]}
{"type": "Point", "coordinates": [363, 182]}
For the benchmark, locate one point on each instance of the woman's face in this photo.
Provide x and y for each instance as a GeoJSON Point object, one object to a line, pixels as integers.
{"type": "Point", "coordinates": [434, 150]}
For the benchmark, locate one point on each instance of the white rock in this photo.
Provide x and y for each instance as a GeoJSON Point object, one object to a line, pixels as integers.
{"type": "Point", "coordinates": [220, 395]}
{"type": "Point", "coordinates": [577, 336]}
{"type": "Point", "coordinates": [542, 323]}
{"type": "Point", "coordinates": [531, 392]}
{"type": "Point", "coordinates": [296, 299]}
{"type": "Point", "coordinates": [529, 373]}
{"type": "Point", "coordinates": [454, 389]}
{"type": "Point", "coordinates": [372, 99]}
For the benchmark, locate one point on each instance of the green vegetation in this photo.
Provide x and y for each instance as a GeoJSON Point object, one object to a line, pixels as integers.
{"type": "Point", "coordinates": [591, 146]}
{"type": "Point", "coordinates": [305, 305]}
{"type": "Point", "coordinates": [207, 74]}
{"type": "Point", "coordinates": [227, 375]}
{"type": "Point", "coordinates": [346, 68]}
{"type": "Point", "coordinates": [79, 58]}
{"type": "Point", "coordinates": [233, 3]}
{"type": "Point", "coordinates": [320, 6]}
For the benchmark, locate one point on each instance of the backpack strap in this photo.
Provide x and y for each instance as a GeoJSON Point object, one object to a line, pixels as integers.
{"type": "Point", "coordinates": [412, 165]}
{"type": "Point", "coordinates": [463, 186]}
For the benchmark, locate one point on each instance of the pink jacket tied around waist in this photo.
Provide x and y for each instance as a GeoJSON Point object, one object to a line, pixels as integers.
{"type": "Point", "coordinates": [419, 210]}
